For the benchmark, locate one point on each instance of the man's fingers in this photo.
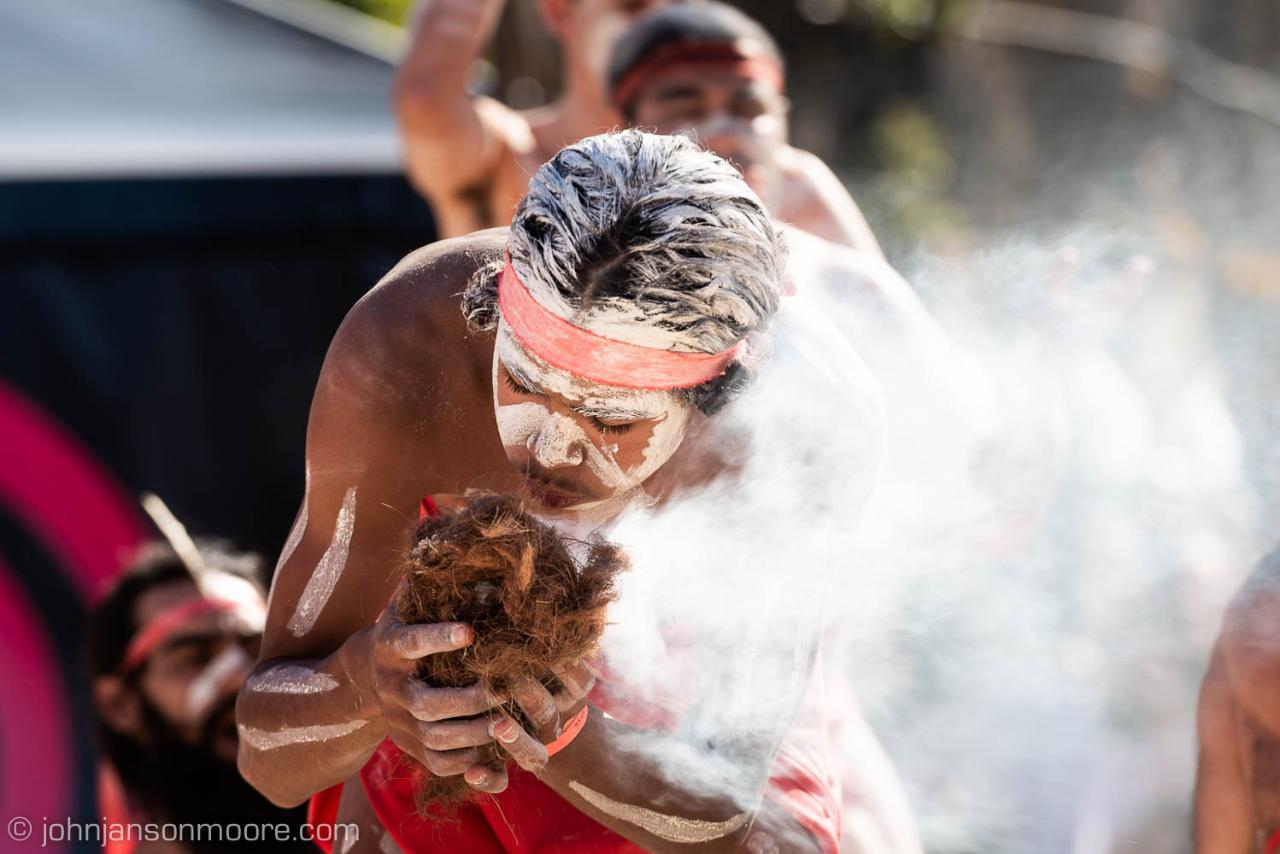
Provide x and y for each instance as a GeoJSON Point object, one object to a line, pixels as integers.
{"type": "Point", "coordinates": [408, 741]}
{"type": "Point", "coordinates": [539, 707]}
{"type": "Point", "coordinates": [578, 680]}
{"type": "Point", "coordinates": [455, 735]}
{"type": "Point", "coordinates": [450, 763]}
{"type": "Point", "coordinates": [529, 753]}
{"type": "Point", "coordinates": [482, 778]}
{"type": "Point", "coordinates": [436, 704]}
{"type": "Point", "coordinates": [413, 642]}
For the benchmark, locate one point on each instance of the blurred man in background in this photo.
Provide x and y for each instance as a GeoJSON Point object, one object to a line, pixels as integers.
{"type": "Point", "coordinates": [472, 156]}
{"type": "Point", "coordinates": [1237, 806]}
{"type": "Point", "coordinates": [167, 657]}
{"type": "Point", "coordinates": [709, 71]}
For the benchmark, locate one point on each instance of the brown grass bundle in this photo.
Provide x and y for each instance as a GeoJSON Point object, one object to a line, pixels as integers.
{"type": "Point", "coordinates": [532, 605]}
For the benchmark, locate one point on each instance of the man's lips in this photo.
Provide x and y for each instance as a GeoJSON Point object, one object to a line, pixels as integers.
{"type": "Point", "coordinates": [551, 496]}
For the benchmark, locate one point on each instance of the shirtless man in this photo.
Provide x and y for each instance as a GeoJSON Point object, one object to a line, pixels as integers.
{"type": "Point", "coordinates": [1237, 802]}
{"type": "Point", "coordinates": [710, 71]}
{"type": "Point", "coordinates": [588, 367]}
{"type": "Point", "coordinates": [472, 156]}
{"type": "Point", "coordinates": [166, 660]}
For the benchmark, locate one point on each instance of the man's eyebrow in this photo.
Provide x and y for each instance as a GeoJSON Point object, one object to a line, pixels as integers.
{"type": "Point", "coordinates": [676, 91]}
{"type": "Point", "coordinates": [521, 377]}
{"type": "Point", "coordinates": [602, 410]}
{"type": "Point", "coordinates": [177, 642]}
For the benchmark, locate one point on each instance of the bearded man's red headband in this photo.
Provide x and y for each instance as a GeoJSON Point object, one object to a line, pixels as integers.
{"type": "Point", "coordinates": [729, 55]}
{"type": "Point", "coordinates": [562, 345]}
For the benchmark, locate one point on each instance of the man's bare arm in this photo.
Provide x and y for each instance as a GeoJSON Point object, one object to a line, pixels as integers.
{"type": "Point", "coordinates": [818, 203]}
{"type": "Point", "coordinates": [658, 791]}
{"type": "Point", "coordinates": [330, 684]}
{"type": "Point", "coordinates": [1238, 782]}
{"type": "Point", "coordinates": [454, 142]}
{"type": "Point", "coordinates": [1223, 820]}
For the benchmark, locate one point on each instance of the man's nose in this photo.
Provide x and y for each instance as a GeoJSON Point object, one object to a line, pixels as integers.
{"type": "Point", "coordinates": [723, 133]}
{"type": "Point", "coordinates": [559, 443]}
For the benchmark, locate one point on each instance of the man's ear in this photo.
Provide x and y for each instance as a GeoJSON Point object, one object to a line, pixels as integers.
{"type": "Point", "coordinates": [117, 704]}
{"type": "Point", "coordinates": [555, 14]}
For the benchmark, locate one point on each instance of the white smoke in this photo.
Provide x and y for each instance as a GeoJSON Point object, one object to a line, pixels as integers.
{"type": "Point", "coordinates": [1026, 609]}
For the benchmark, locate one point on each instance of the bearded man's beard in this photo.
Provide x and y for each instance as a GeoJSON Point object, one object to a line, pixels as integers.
{"type": "Point", "coordinates": [176, 780]}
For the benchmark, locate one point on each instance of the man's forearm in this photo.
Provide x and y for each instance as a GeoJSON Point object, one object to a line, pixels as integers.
{"type": "Point", "coordinates": [669, 806]}
{"type": "Point", "coordinates": [447, 37]}
{"type": "Point", "coordinates": [307, 724]}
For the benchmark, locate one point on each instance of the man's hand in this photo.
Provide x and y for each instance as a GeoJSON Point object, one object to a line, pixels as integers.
{"type": "Point", "coordinates": [546, 712]}
{"type": "Point", "coordinates": [424, 721]}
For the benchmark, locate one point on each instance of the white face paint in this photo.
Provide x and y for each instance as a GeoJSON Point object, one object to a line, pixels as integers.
{"type": "Point", "coordinates": [261, 739]}
{"type": "Point", "coordinates": [672, 828]}
{"type": "Point", "coordinates": [556, 440]}
{"type": "Point", "coordinates": [203, 693]}
{"type": "Point", "coordinates": [322, 582]}
{"type": "Point", "coordinates": [285, 678]}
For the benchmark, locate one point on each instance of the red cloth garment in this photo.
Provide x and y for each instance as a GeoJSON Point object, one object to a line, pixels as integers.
{"type": "Point", "coordinates": [1273, 844]}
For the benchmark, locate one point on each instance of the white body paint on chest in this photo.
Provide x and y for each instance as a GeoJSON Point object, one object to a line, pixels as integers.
{"type": "Point", "coordinates": [322, 582]}
{"type": "Point", "coordinates": [387, 845]}
{"type": "Point", "coordinates": [204, 688]}
{"type": "Point", "coordinates": [672, 828]}
{"type": "Point", "coordinates": [287, 678]}
{"type": "Point", "coordinates": [261, 739]}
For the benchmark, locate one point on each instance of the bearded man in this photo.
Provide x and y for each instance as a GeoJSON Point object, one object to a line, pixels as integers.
{"type": "Point", "coordinates": [167, 658]}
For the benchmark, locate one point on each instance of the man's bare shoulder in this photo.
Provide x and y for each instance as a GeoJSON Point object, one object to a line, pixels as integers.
{"type": "Point", "coordinates": [412, 318]}
{"type": "Point", "coordinates": [805, 171]}
{"type": "Point", "coordinates": [430, 279]}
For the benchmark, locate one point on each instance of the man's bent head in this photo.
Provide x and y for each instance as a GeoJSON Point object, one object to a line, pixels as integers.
{"type": "Point", "coordinates": [638, 266]}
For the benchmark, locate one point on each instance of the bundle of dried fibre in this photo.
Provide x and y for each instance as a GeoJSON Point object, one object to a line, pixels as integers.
{"type": "Point", "coordinates": [532, 605]}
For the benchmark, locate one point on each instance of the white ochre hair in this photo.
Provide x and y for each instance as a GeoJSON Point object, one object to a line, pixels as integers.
{"type": "Point", "coordinates": [647, 239]}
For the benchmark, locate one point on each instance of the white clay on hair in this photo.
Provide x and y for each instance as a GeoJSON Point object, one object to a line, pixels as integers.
{"type": "Point", "coordinates": [704, 261]}
{"type": "Point", "coordinates": [261, 739]}
{"type": "Point", "coordinates": [672, 828]}
{"type": "Point", "coordinates": [324, 579]}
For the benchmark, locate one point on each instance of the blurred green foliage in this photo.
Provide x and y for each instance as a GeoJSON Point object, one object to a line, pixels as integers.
{"type": "Point", "coordinates": [395, 11]}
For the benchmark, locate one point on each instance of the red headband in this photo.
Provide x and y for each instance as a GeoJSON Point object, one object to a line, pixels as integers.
{"type": "Point", "coordinates": [562, 345]}
{"type": "Point", "coordinates": [729, 55]}
{"type": "Point", "coordinates": [163, 624]}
